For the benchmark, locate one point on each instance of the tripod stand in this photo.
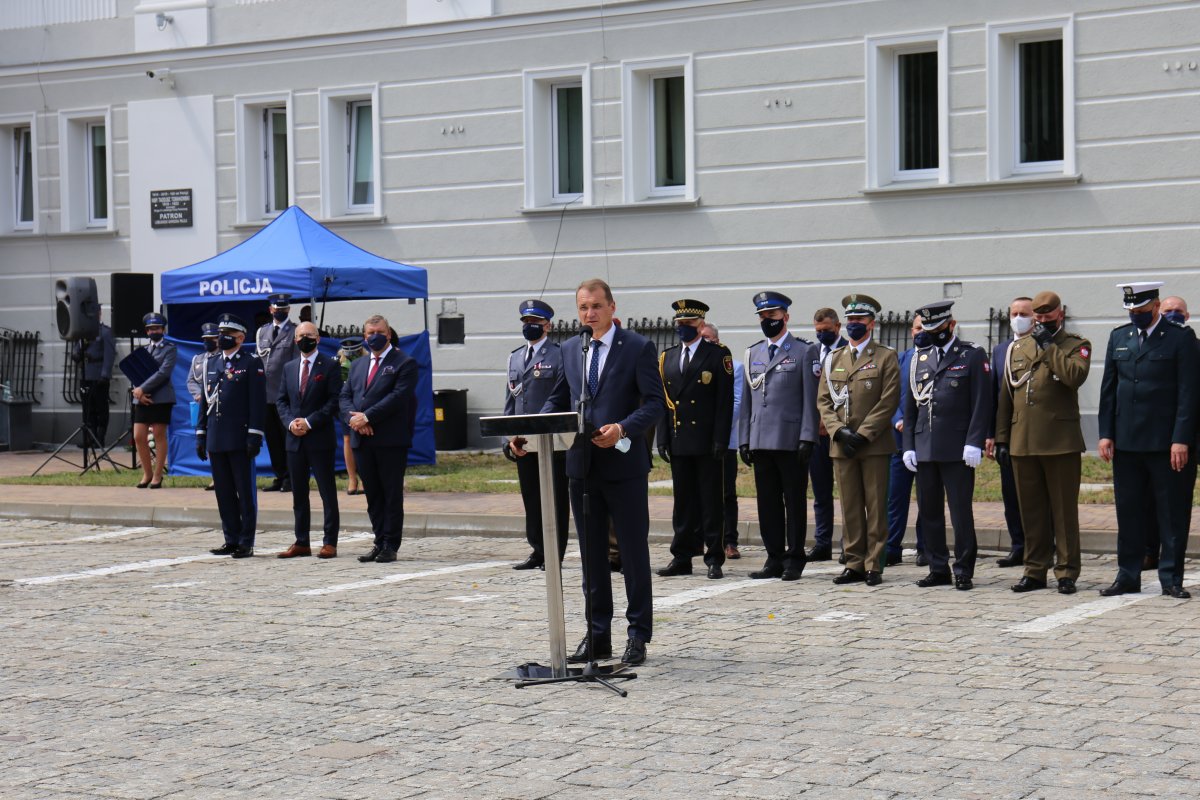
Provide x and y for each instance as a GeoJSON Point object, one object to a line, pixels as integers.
{"type": "Point", "coordinates": [94, 451]}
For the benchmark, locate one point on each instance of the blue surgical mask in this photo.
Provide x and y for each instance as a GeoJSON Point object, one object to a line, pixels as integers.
{"type": "Point", "coordinates": [1141, 319]}
{"type": "Point", "coordinates": [922, 339]}
{"type": "Point", "coordinates": [377, 342]}
{"type": "Point", "coordinates": [856, 330]}
{"type": "Point", "coordinates": [686, 333]}
{"type": "Point", "coordinates": [1175, 317]}
{"type": "Point", "coordinates": [210, 345]}
{"type": "Point", "coordinates": [532, 331]}
{"type": "Point", "coordinates": [827, 338]}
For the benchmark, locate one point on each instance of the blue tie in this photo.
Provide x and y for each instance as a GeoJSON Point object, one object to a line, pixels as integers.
{"type": "Point", "coordinates": [594, 368]}
{"type": "Point", "coordinates": [771, 350]}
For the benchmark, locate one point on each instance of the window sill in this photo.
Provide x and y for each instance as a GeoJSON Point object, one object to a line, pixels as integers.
{"type": "Point", "coordinates": [1016, 182]}
{"type": "Point", "coordinates": [91, 233]}
{"type": "Point", "coordinates": [354, 219]}
{"type": "Point", "coordinates": [575, 208]}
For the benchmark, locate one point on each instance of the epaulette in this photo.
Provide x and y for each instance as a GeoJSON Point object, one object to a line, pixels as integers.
{"type": "Point", "coordinates": [756, 344]}
{"type": "Point", "coordinates": [515, 349]}
{"type": "Point", "coordinates": [1126, 325]}
{"type": "Point", "coordinates": [877, 344]}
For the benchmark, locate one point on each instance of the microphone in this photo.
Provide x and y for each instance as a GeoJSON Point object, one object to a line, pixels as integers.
{"type": "Point", "coordinates": [585, 335]}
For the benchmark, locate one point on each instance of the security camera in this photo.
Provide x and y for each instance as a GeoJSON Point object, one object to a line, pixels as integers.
{"type": "Point", "coordinates": [162, 75]}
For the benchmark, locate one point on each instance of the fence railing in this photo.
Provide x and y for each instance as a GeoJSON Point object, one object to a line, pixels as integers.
{"type": "Point", "coordinates": [19, 365]}
{"type": "Point", "coordinates": [660, 331]}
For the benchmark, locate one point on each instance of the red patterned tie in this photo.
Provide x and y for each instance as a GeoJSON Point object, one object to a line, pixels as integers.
{"type": "Point", "coordinates": [303, 377]}
{"type": "Point", "coordinates": [374, 367]}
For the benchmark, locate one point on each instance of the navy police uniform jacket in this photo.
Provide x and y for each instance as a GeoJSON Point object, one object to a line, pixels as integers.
{"type": "Point", "coordinates": [233, 407]}
{"type": "Point", "coordinates": [389, 402]}
{"type": "Point", "coordinates": [1148, 395]}
{"type": "Point", "coordinates": [776, 412]}
{"type": "Point", "coordinates": [958, 409]}
{"type": "Point", "coordinates": [699, 402]}
{"type": "Point", "coordinates": [97, 355]}
{"type": "Point", "coordinates": [318, 405]}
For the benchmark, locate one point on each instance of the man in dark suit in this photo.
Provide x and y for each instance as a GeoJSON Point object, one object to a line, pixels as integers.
{"type": "Point", "coordinates": [609, 463]}
{"type": "Point", "coordinates": [828, 328]}
{"type": "Point", "coordinates": [1020, 316]}
{"type": "Point", "coordinates": [97, 356]}
{"type": "Point", "coordinates": [1147, 423]}
{"type": "Point", "coordinates": [377, 404]}
{"type": "Point", "coordinates": [277, 347]}
{"type": "Point", "coordinates": [697, 381]}
{"type": "Point", "coordinates": [230, 432]}
{"type": "Point", "coordinates": [308, 404]}
{"type": "Point", "coordinates": [947, 411]}
{"type": "Point", "coordinates": [533, 370]}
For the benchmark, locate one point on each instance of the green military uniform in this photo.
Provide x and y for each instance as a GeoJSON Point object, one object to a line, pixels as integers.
{"type": "Point", "coordinates": [861, 391]}
{"type": "Point", "coordinates": [1037, 418]}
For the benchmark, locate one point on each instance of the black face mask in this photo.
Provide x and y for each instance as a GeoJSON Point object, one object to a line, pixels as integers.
{"type": "Point", "coordinates": [922, 339]}
{"type": "Point", "coordinates": [377, 342]}
{"type": "Point", "coordinates": [856, 331]}
{"type": "Point", "coordinates": [942, 338]}
{"type": "Point", "coordinates": [210, 345]}
{"type": "Point", "coordinates": [1050, 326]}
{"type": "Point", "coordinates": [686, 333]}
{"type": "Point", "coordinates": [306, 344]}
{"type": "Point", "coordinates": [827, 338]}
{"type": "Point", "coordinates": [280, 315]}
{"type": "Point", "coordinates": [154, 337]}
{"type": "Point", "coordinates": [771, 327]}
{"type": "Point", "coordinates": [226, 341]}
{"type": "Point", "coordinates": [532, 331]}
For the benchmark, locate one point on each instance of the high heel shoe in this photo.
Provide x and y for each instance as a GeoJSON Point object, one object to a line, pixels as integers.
{"type": "Point", "coordinates": [143, 484]}
{"type": "Point", "coordinates": [156, 485]}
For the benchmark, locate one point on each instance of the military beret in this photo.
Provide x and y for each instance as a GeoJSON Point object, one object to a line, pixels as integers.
{"type": "Point", "coordinates": [1045, 302]}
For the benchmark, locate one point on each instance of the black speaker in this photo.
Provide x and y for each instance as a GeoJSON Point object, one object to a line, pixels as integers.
{"type": "Point", "coordinates": [132, 298]}
{"type": "Point", "coordinates": [78, 309]}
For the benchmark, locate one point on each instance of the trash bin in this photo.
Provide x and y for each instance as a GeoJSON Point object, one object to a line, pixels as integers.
{"type": "Point", "coordinates": [450, 419]}
{"type": "Point", "coordinates": [16, 425]}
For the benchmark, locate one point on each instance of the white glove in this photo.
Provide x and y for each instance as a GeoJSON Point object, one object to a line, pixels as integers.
{"type": "Point", "coordinates": [910, 460]}
{"type": "Point", "coordinates": [972, 456]}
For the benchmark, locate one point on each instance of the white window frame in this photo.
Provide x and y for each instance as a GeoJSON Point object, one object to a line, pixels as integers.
{"type": "Point", "coordinates": [1004, 135]}
{"type": "Point", "coordinates": [883, 110]}
{"type": "Point", "coordinates": [10, 182]}
{"type": "Point", "coordinates": [638, 128]}
{"type": "Point", "coordinates": [268, 165]}
{"type": "Point", "coordinates": [75, 168]}
{"type": "Point", "coordinates": [336, 149]}
{"type": "Point", "coordinates": [541, 143]}
{"type": "Point", "coordinates": [254, 195]}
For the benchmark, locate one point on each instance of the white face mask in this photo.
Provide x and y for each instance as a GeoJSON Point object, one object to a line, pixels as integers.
{"type": "Point", "coordinates": [1021, 325]}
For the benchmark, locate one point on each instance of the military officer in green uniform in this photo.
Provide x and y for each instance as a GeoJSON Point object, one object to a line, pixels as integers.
{"type": "Point", "coordinates": [857, 396]}
{"type": "Point", "coordinates": [1147, 425]}
{"type": "Point", "coordinates": [1038, 432]}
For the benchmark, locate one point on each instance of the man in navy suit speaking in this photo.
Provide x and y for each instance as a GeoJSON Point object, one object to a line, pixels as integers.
{"type": "Point", "coordinates": [611, 460]}
{"type": "Point", "coordinates": [377, 405]}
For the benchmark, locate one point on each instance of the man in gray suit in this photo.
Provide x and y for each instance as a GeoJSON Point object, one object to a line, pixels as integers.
{"type": "Point", "coordinates": [276, 345]}
{"type": "Point", "coordinates": [777, 428]}
{"type": "Point", "coordinates": [533, 369]}
{"type": "Point", "coordinates": [947, 413]}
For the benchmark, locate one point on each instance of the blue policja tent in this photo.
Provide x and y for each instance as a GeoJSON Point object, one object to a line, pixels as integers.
{"type": "Point", "coordinates": [297, 255]}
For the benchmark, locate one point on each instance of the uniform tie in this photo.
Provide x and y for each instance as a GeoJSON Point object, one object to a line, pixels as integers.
{"type": "Point", "coordinates": [374, 367]}
{"type": "Point", "coordinates": [771, 351]}
{"type": "Point", "coordinates": [594, 367]}
{"type": "Point", "coordinates": [528, 355]}
{"type": "Point", "coordinates": [687, 358]}
{"type": "Point", "coordinates": [303, 377]}
{"type": "Point", "coordinates": [854, 355]}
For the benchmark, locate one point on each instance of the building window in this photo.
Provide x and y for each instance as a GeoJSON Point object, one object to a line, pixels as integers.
{"type": "Point", "coordinates": [97, 173]}
{"type": "Point", "coordinates": [558, 141]}
{"type": "Point", "coordinates": [275, 160]}
{"type": "Point", "coordinates": [23, 185]}
{"type": "Point", "coordinates": [568, 141]}
{"type": "Point", "coordinates": [361, 153]}
{"type": "Point", "coordinates": [1031, 98]}
{"type": "Point", "coordinates": [658, 129]}
{"type": "Point", "coordinates": [84, 168]}
{"type": "Point", "coordinates": [908, 118]}
{"type": "Point", "coordinates": [350, 151]}
{"type": "Point", "coordinates": [263, 144]}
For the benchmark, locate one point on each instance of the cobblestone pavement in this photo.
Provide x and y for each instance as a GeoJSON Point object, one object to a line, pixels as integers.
{"type": "Point", "coordinates": [133, 665]}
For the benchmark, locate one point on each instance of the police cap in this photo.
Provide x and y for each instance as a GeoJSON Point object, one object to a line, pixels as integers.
{"type": "Point", "coordinates": [536, 308]}
{"type": "Point", "coordinates": [352, 344]}
{"type": "Point", "coordinates": [231, 322]}
{"type": "Point", "coordinates": [154, 318]}
{"type": "Point", "coordinates": [209, 330]}
{"type": "Point", "coordinates": [766, 301]}
{"type": "Point", "coordinates": [689, 309]}
{"type": "Point", "coordinates": [1138, 294]}
{"type": "Point", "coordinates": [280, 300]}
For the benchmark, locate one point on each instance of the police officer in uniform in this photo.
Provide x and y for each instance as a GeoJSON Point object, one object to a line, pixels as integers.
{"type": "Point", "coordinates": [276, 343]}
{"type": "Point", "coordinates": [533, 369]}
{"type": "Point", "coordinates": [1147, 425]}
{"type": "Point", "coordinates": [1037, 429]}
{"type": "Point", "coordinates": [198, 371]}
{"type": "Point", "coordinates": [776, 434]}
{"type": "Point", "coordinates": [230, 432]}
{"type": "Point", "coordinates": [858, 394]}
{"type": "Point", "coordinates": [97, 356]}
{"type": "Point", "coordinates": [947, 413]}
{"type": "Point", "coordinates": [697, 378]}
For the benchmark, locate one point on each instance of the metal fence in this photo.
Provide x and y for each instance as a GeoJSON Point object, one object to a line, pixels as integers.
{"type": "Point", "coordinates": [19, 365]}
{"type": "Point", "coordinates": [660, 331]}
{"type": "Point", "coordinates": [72, 377]}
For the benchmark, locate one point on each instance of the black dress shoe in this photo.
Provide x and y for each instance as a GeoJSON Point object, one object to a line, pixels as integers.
{"type": "Point", "coordinates": [963, 584]}
{"type": "Point", "coordinates": [242, 552]}
{"type": "Point", "coordinates": [533, 562]}
{"type": "Point", "coordinates": [677, 567]}
{"type": "Point", "coordinates": [370, 555]}
{"type": "Point", "coordinates": [767, 572]}
{"type": "Point", "coordinates": [715, 572]}
{"type": "Point", "coordinates": [921, 561]}
{"type": "Point", "coordinates": [212, 487]}
{"type": "Point", "coordinates": [842, 559]}
{"type": "Point", "coordinates": [614, 566]}
{"type": "Point", "coordinates": [1014, 559]}
{"type": "Point", "coordinates": [791, 574]}
{"type": "Point", "coordinates": [603, 649]}
{"type": "Point", "coordinates": [273, 486]}
{"type": "Point", "coordinates": [1149, 562]}
{"type": "Point", "coordinates": [894, 559]}
{"type": "Point", "coordinates": [223, 550]}
{"type": "Point", "coordinates": [874, 578]}
{"type": "Point", "coordinates": [635, 652]}
{"type": "Point", "coordinates": [935, 579]}
{"type": "Point", "coordinates": [1027, 584]}
{"type": "Point", "coordinates": [850, 576]}
{"type": "Point", "coordinates": [820, 554]}
{"type": "Point", "coordinates": [1178, 592]}
{"type": "Point", "coordinates": [385, 557]}
{"type": "Point", "coordinates": [286, 486]}
{"type": "Point", "coordinates": [1118, 588]}
{"type": "Point", "coordinates": [1066, 586]}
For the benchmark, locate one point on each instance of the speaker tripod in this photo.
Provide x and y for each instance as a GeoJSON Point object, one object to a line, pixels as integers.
{"type": "Point", "coordinates": [94, 452]}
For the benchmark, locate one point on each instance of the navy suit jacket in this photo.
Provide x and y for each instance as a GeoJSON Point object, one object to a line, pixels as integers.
{"type": "Point", "coordinates": [629, 392]}
{"type": "Point", "coordinates": [389, 402]}
{"type": "Point", "coordinates": [319, 405]}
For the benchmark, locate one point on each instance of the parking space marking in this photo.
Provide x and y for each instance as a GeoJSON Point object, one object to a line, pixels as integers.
{"type": "Point", "coordinates": [1093, 608]}
{"type": "Point", "coordinates": [113, 570]}
{"type": "Point", "coordinates": [92, 538]}
{"type": "Point", "coordinates": [397, 578]}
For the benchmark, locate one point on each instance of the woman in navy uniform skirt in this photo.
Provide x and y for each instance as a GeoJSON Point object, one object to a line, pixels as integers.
{"type": "Point", "coordinates": [153, 401]}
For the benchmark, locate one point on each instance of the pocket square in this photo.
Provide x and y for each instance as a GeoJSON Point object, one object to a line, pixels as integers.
{"type": "Point", "coordinates": [388, 370]}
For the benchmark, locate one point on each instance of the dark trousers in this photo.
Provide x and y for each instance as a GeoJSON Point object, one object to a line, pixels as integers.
{"type": "Point", "coordinates": [95, 408]}
{"type": "Point", "coordinates": [952, 483]}
{"type": "Point", "coordinates": [696, 515]}
{"type": "Point", "coordinates": [320, 463]}
{"type": "Point", "coordinates": [276, 442]}
{"type": "Point", "coordinates": [1048, 492]}
{"type": "Point", "coordinates": [1012, 511]}
{"type": "Point", "coordinates": [531, 496]}
{"type": "Point", "coordinates": [237, 500]}
{"type": "Point", "coordinates": [820, 469]}
{"type": "Point", "coordinates": [729, 507]}
{"type": "Point", "coordinates": [624, 502]}
{"type": "Point", "coordinates": [1146, 487]}
{"type": "Point", "coordinates": [900, 483]}
{"type": "Point", "coordinates": [781, 479]}
{"type": "Point", "coordinates": [381, 470]}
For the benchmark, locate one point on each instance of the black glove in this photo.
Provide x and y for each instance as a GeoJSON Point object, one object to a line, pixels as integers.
{"type": "Point", "coordinates": [804, 451]}
{"type": "Point", "coordinates": [664, 452]}
{"type": "Point", "coordinates": [253, 444]}
{"type": "Point", "coordinates": [850, 441]}
{"type": "Point", "coordinates": [1003, 458]}
{"type": "Point", "coordinates": [1043, 335]}
{"type": "Point", "coordinates": [201, 449]}
{"type": "Point", "coordinates": [746, 454]}
{"type": "Point", "coordinates": [508, 453]}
